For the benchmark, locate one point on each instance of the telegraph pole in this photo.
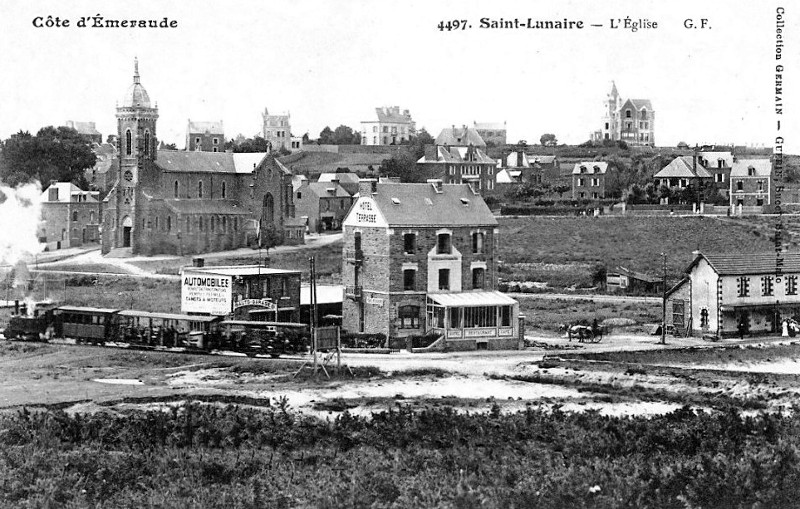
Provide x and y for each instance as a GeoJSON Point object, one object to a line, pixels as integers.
{"type": "Point", "coordinates": [664, 304]}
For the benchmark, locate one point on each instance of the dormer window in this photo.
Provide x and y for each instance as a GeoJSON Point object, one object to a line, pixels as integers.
{"type": "Point", "coordinates": [596, 169]}
{"type": "Point", "coordinates": [751, 171]}
{"type": "Point", "coordinates": [627, 113]}
{"type": "Point", "coordinates": [443, 245]}
{"type": "Point", "coordinates": [644, 114]}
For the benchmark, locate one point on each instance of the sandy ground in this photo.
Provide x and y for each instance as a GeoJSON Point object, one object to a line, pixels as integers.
{"type": "Point", "coordinates": [87, 379]}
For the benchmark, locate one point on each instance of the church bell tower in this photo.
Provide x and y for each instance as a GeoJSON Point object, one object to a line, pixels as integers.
{"type": "Point", "coordinates": [136, 131]}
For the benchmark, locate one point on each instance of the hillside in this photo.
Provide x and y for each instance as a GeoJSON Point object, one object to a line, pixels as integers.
{"type": "Point", "coordinates": [565, 250]}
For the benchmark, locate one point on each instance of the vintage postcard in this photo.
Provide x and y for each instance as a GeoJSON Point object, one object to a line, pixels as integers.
{"type": "Point", "coordinates": [399, 254]}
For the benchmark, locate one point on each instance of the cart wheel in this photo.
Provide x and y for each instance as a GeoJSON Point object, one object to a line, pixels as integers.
{"type": "Point", "coordinates": [589, 335]}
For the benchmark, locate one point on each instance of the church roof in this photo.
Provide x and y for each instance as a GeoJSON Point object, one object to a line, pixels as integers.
{"type": "Point", "coordinates": [210, 162]}
{"type": "Point", "coordinates": [136, 96]}
{"type": "Point", "coordinates": [222, 207]}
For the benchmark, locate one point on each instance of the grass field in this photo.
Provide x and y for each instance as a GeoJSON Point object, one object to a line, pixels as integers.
{"type": "Point", "coordinates": [545, 315]}
{"type": "Point", "coordinates": [563, 250]}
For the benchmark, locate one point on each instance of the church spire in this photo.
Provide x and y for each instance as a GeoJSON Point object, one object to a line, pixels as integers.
{"type": "Point", "coordinates": [614, 88]}
{"type": "Point", "coordinates": [135, 70]}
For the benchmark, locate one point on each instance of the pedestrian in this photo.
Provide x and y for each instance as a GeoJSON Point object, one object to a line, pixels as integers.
{"type": "Point", "coordinates": [742, 327]}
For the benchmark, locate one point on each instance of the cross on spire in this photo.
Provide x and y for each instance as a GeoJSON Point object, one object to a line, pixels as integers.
{"type": "Point", "coordinates": [135, 70]}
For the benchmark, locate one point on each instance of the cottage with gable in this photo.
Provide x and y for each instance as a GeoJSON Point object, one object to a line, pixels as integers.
{"type": "Point", "coordinates": [725, 295]}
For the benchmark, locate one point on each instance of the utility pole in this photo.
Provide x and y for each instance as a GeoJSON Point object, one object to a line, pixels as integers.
{"type": "Point", "coordinates": [664, 304]}
{"type": "Point", "coordinates": [313, 318]}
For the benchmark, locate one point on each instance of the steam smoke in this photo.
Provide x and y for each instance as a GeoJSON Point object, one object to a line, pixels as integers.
{"type": "Point", "coordinates": [20, 215]}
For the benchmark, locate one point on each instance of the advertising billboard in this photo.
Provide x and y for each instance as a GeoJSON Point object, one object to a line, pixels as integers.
{"type": "Point", "coordinates": [202, 292]}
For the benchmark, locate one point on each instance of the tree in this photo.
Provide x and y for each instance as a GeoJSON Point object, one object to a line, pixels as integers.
{"type": "Point", "coordinates": [561, 189]}
{"type": "Point", "coordinates": [416, 144]}
{"type": "Point", "coordinates": [548, 140]}
{"type": "Point", "coordinates": [404, 166]}
{"type": "Point", "coordinates": [55, 153]}
{"type": "Point", "coordinates": [344, 135]}
{"type": "Point", "coordinates": [325, 137]}
{"type": "Point", "coordinates": [254, 144]}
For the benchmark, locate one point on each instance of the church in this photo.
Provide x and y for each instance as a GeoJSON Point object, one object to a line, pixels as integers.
{"type": "Point", "coordinates": [190, 202]}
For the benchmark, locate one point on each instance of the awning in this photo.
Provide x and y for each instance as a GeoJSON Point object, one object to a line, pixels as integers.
{"type": "Point", "coordinates": [471, 299]}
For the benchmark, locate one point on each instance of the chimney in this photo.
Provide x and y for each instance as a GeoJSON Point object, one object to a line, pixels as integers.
{"type": "Point", "coordinates": [335, 181]}
{"type": "Point", "coordinates": [198, 262]}
{"type": "Point", "coordinates": [437, 185]}
{"type": "Point", "coordinates": [367, 187]}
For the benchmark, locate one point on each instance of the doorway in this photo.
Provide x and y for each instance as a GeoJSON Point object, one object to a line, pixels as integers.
{"type": "Point", "coordinates": [127, 227]}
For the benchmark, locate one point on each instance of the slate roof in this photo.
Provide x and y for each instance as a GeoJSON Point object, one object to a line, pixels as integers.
{"type": "Point", "coordinates": [457, 155]}
{"type": "Point", "coordinates": [490, 126]}
{"type": "Point", "coordinates": [512, 160]}
{"type": "Point", "coordinates": [542, 159]}
{"type": "Point", "coordinates": [460, 137]}
{"type": "Point", "coordinates": [321, 189]}
{"type": "Point", "coordinates": [727, 264]}
{"type": "Point", "coordinates": [712, 156]}
{"type": "Point", "coordinates": [641, 276]}
{"type": "Point", "coordinates": [206, 127]}
{"type": "Point", "coordinates": [223, 207]}
{"type": "Point", "coordinates": [740, 168]}
{"type": "Point", "coordinates": [392, 115]}
{"type": "Point", "coordinates": [349, 181]}
{"type": "Point", "coordinates": [681, 167]}
{"type": "Point", "coordinates": [592, 168]}
{"type": "Point", "coordinates": [66, 190]}
{"type": "Point", "coordinates": [507, 176]}
{"type": "Point", "coordinates": [421, 205]}
{"type": "Point", "coordinates": [84, 127]}
{"type": "Point", "coordinates": [210, 162]}
{"type": "Point", "coordinates": [640, 103]}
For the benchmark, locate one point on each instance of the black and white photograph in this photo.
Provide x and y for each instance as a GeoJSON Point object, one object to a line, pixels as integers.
{"type": "Point", "coordinates": [450, 254]}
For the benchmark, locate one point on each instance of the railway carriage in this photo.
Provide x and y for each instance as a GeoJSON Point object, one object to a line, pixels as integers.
{"type": "Point", "coordinates": [83, 324]}
{"type": "Point", "coordinates": [146, 328]}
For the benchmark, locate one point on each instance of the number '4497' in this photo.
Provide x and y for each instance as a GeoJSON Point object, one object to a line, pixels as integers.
{"type": "Point", "coordinates": [456, 24]}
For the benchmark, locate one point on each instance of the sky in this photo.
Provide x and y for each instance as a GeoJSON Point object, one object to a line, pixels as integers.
{"type": "Point", "coordinates": [332, 62]}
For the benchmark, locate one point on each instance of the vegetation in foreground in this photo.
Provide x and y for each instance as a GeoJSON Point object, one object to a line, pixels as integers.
{"type": "Point", "coordinates": [204, 456]}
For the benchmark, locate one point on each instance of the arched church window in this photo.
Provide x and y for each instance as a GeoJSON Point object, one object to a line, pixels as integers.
{"type": "Point", "coordinates": [268, 208]}
{"type": "Point", "coordinates": [128, 140]}
{"type": "Point", "coordinates": [200, 189]}
{"type": "Point", "coordinates": [188, 224]}
{"type": "Point", "coordinates": [175, 189]}
{"type": "Point", "coordinates": [213, 225]}
{"type": "Point", "coordinates": [147, 143]}
{"type": "Point", "coordinates": [169, 223]}
{"type": "Point", "coordinates": [224, 224]}
{"type": "Point", "coordinates": [201, 223]}
{"type": "Point", "coordinates": [223, 190]}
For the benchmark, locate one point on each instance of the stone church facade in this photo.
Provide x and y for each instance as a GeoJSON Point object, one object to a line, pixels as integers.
{"type": "Point", "coordinates": [180, 202]}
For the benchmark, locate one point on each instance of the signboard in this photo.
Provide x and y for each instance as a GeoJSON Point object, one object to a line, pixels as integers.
{"type": "Point", "coordinates": [202, 292]}
{"type": "Point", "coordinates": [264, 303]}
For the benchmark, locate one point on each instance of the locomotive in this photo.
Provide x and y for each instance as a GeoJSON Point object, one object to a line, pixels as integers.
{"type": "Point", "coordinates": [144, 329]}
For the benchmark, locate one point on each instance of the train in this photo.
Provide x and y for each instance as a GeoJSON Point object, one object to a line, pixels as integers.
{"type": "Point", "coordinates": [149, 330]}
